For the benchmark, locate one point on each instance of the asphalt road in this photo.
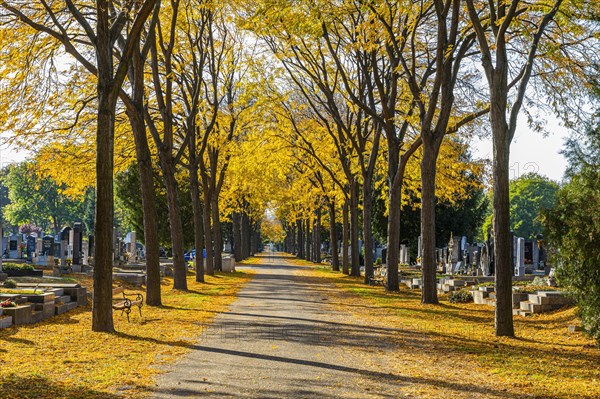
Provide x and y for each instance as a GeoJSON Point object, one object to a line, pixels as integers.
{"type": "Point", "coordinates": [281, 339]}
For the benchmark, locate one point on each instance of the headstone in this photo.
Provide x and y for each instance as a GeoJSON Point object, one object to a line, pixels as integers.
{"type": "Point", "coordinates": [56, 249]}
{"type": "Point", "coordinates": [520, 264]}
{"type": "Point", "coordinates": [463, 248]}
{"type": "Point", "coordinates": [14, 242]}
{"type": "Point", "coordinates": [458, 267]}
{"type": "Point", "coordinates": [454, 246]}
{"type": "Point", "coordinates": [64, 251]}
{"type": "Point", "coordinates": [403, 254]}
{"type": "Point", "coordinates": [31, 243]}
{"type": "Point", "coordinates": [91, 246]}
{"type": "Point", "coordinates": [65, 234]}
{"type": "Point", "coordinates": [45, 251]}
{"type": "Point", "coordinates": [535, 255]}
{"type": "Point", "coordinates": [420, 247]}
{"type": "Point", "coordinates": [38, 246]}
{"type": "Point", "coordinates": [77, 234]}
{"type": "Point", "coordinates": [47, 245]}
{"type": "Point", "coordinates": [84, 253]}
{"type": "Point", "coordinates": [130, 244]}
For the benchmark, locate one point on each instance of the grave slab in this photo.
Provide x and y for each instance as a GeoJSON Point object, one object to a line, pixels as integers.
{"type": "Point", "coordinates": [20, 314]}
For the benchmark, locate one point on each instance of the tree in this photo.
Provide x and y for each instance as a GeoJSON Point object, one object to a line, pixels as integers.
{"type": "Point", "coordinates": [529, 195]}
{"type": "Point", "coordinates": [573, 228]}
{"type": "Point", "coordinates": [101, 27]}
{"type": "Point", "coordinates": [511, 35]}
{"type": "Point", "coordinates": [38, 200]}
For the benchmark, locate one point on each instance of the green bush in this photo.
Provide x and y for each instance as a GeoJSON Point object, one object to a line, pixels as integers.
{"type": "Point", "coordinates": [573, 229]}
{"type": "Point", "coordinates": [573, 225]}
{"type": "Point", "coordinates": [17, 266]}
{"type": "Point", "coordinates": [10, 284]}
{"type": "Point", "coordinates": [460, 297]}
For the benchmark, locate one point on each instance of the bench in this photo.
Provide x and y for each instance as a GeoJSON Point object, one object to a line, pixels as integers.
{"type": "Point", "coordinates": [124, 303]}
{"type": "Point", "coordinates": [378, 276]}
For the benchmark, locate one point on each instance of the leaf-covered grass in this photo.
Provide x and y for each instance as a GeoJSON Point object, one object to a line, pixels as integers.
{"type": "Point", "coordinates": [63, 358]}
{"type": "Point", "coordinates": [456, 343]}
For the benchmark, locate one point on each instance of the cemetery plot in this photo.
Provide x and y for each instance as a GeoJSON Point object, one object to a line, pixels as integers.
{"type": "Point", "coordinates": [31, 303]}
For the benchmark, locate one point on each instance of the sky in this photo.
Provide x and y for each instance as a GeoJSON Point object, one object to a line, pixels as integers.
{"type": "Point", "coordinates": [530, 151]}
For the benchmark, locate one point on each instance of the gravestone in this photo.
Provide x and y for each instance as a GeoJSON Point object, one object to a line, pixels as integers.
{"type": "Point", "coordinates": [31, 243]}
{"type": "Point", "coordinates": [91, 246]}
{"type": "Point", "coordinates": [463, 247]}
{"type": "Point", "coordinates": [56, 249]}
{"type": "Point", "coordinates": [46, 251]}
{"type": "Point", "coordinates": [65, 235]}
{"type": "Point", "coordinates": [77, 234]}
{"type": "Point", "coordinates": [520, 264]}
{"type": "Point", "coordinates": [420, 247]}
{"type": "Point", "coordinates": [84, 253]}
{"type": "Point", "coordinates": [535, 255]}
{"type": "Point", "coordinates": [403, 254]}
{"type": "Point", "coordinates": [458, 267]}
{"type": "Point", "coordinates": [47, 245]}
{"type": "Point", "coordinates": [14, 242]}
{"type": "Point", "coordinates": [130, 244]}
{"type": "Point", "coordinates": [38, 246]}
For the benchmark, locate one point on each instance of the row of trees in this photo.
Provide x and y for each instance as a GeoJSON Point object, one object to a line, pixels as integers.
{"type": "Point", "coordinates": [385, 82]}
{"type": "Point", "coordinates": [316, 108]}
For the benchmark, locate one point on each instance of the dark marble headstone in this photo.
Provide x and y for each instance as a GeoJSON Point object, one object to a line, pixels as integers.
{"type": "Point", "coordinates": [91, 245]}
{"type": "Point", "coordinates": [48, 246]}
{"type": "Point", "coordinates": [65, 234]}
{"type": "Point", "coordinates": [77, 241]}
{"type": "Point", "coordinates": [56, 250]}
{"type": "Point", "coordinates": [30, 247]}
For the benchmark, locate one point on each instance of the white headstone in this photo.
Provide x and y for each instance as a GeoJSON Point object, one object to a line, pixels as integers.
{"type": "Point", "coordinates": [403, 254]}
{"type": "Point", "coordinates": [84, 253]}
{"type": "Point", "coordinates": [520, 263]}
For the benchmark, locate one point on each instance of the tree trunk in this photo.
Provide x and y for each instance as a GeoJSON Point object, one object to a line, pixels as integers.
{"type": "Point", "coordinates": [151, 242]}
{"type": "Point", "coordinates": [345, 237]}
{"type": "Point", "coordinates": [237, 236]}
{"type": "Point", "coordinates": [394, 202]}
{"type": "Point", "coordinates": [102, 300]}
{"type": "Point", "coordinates": [198, 222]}
{"type": "Point", "coordinates": [218, 244]}
{"type": "Point", "coordinates": [393, 239]}
{"type": "Point", "coordinates": [252, 245]}
{"type": "Point", "coordinates": [368, 229]}
{"type": "Point", "coordinates": [179, 266]}
{"type": "Point", "coordinates": [317, 236]}
{"type": "Point", "coordinates": [428, 166]}
{"type": "Point", "coordinates": [502, 241]}
{"type": "Point", "coordinates": [135, 114]}
{"type": "Point", "coordinates": [355, 254]}
{"type": "Point", "coordinates": [245, 239]}
{"type": "Point", "coordinates": [300, 243]}
{"type": "Point", "coordinates": [307, 240]}
{"type": "Point", "coordinates": [208, 239]}
{"type": "Point", "coordinates": [335, 259]}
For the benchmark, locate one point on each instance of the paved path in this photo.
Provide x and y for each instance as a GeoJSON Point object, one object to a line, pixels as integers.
{"type": "Point", "coordinates": [281, 339]}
